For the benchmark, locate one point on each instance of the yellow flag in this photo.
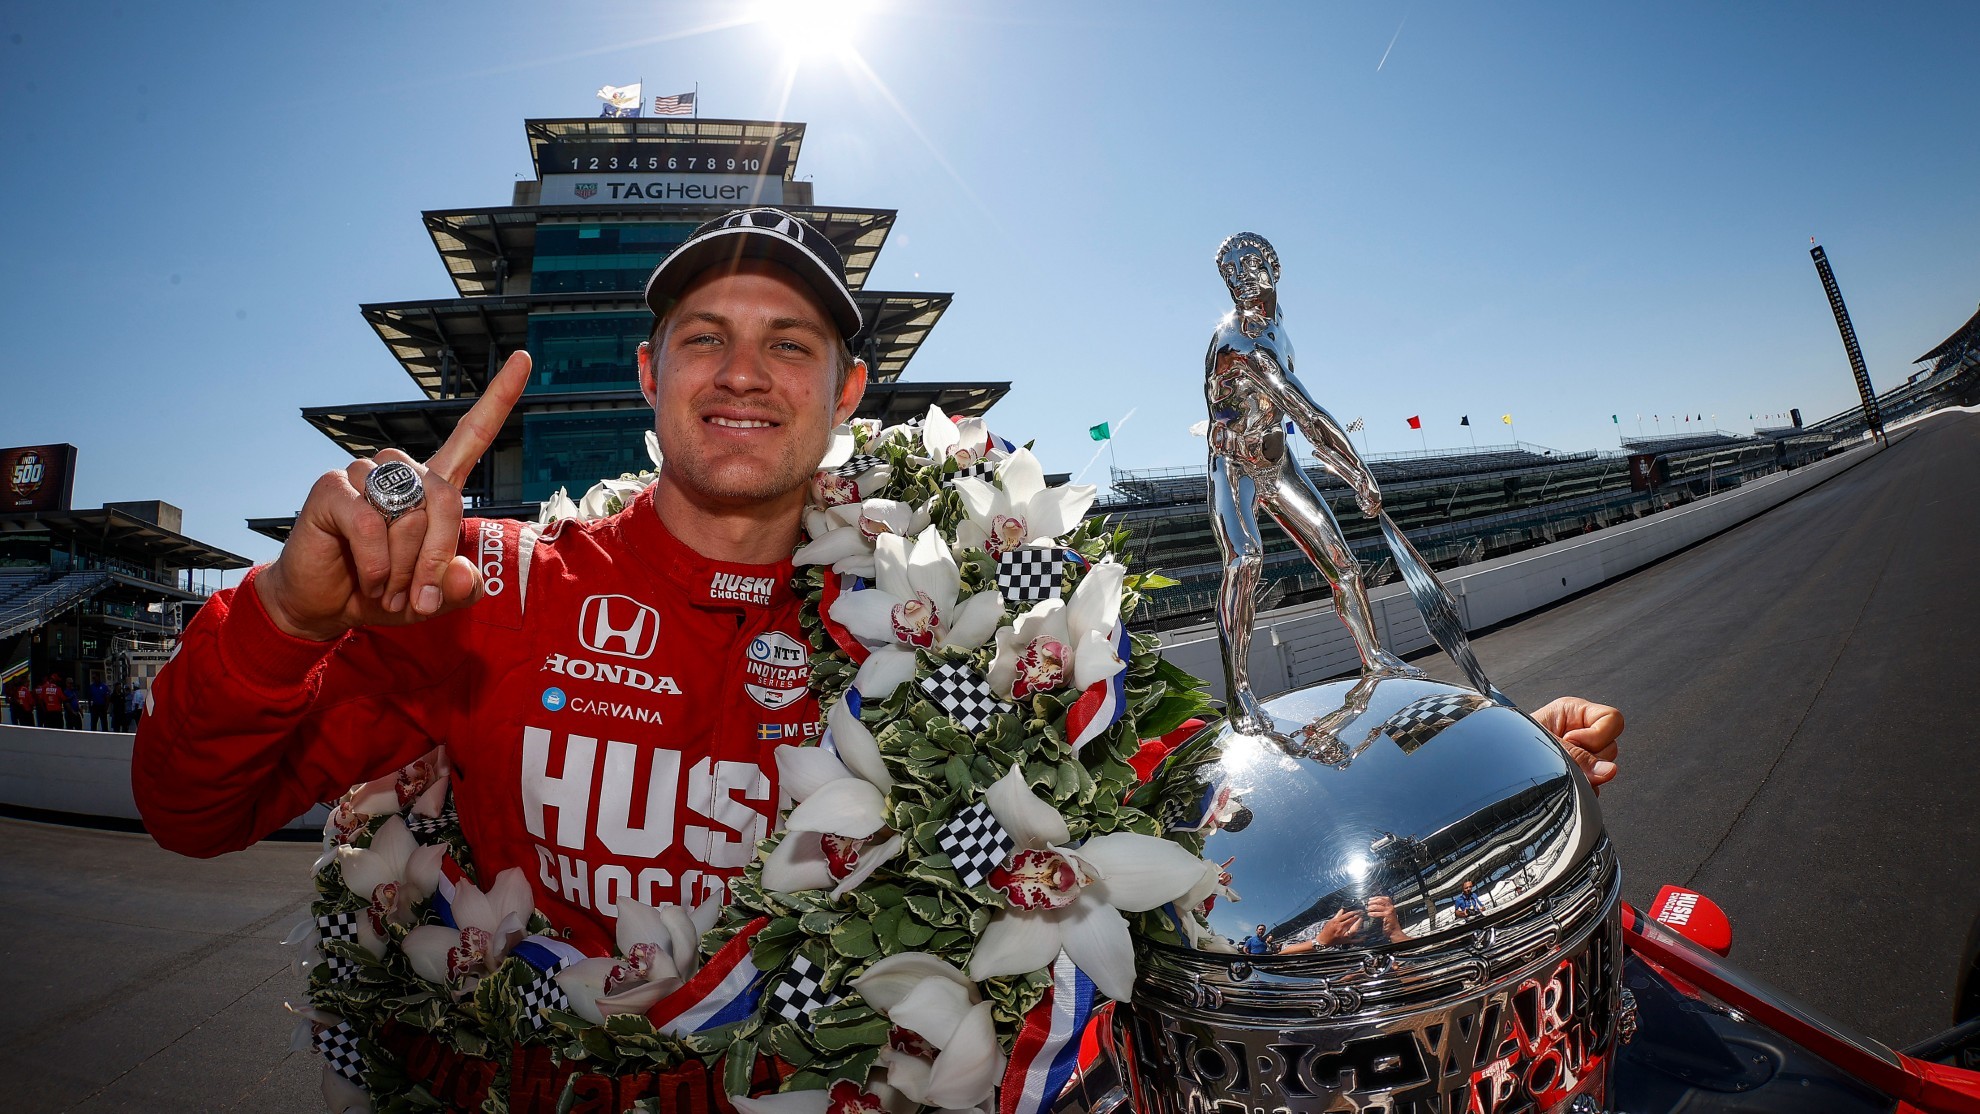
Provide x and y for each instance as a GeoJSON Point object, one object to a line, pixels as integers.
{"type": "Point", "coordinates": [1506, 419]}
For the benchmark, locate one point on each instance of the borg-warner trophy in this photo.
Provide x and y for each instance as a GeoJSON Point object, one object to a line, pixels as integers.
{"type": "Point", "coordinates": [1422, 912]}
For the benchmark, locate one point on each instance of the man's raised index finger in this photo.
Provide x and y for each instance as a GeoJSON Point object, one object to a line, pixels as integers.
{"type": "Point", "coordinates": [479, 427]}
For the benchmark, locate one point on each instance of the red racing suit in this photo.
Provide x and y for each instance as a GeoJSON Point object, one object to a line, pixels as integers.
{"type": "Point", "coordinates": [610, 708]}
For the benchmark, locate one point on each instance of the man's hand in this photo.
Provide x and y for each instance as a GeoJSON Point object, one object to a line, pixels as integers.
{"type": "Point", "coordinates": [1338, 927]}
{"type": "Point", "coordinates": [1588, 731]}
{"type": "Point", "coordinates": [1382, 908]}
{"type": "Point", "coordinates": [344, 566]}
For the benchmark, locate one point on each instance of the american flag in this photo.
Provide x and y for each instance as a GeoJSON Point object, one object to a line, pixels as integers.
{"type": "Point", "coordinates": [680, 104]}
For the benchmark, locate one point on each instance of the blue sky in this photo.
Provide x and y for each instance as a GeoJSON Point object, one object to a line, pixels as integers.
{"type": "Point", "coordinates": [1560, 211]}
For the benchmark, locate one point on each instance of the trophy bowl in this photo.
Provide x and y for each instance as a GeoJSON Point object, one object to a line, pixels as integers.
{"type": "Point", "coordinates": [1342, 970]}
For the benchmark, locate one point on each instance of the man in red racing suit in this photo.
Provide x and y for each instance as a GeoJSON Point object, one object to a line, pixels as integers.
{"type": "Point", "coordinates": [610, 706]}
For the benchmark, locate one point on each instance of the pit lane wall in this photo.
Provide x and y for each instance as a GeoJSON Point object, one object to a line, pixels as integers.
{"type": "Point", "coordinates": [1305, 644]}
{"type": "Point", "coordinates": [81, 774]}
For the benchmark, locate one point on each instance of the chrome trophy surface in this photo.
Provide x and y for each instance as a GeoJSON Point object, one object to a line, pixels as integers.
{"type": "Point", "coordinates": [1421, 910]}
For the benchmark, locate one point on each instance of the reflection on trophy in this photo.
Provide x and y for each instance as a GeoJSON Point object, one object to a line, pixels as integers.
{"type": "Point", "coordinates": [1430, 913]}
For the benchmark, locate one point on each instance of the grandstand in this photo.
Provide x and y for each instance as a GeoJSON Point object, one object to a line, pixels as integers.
{"type": "Point", "coordinates": [1456, 507]}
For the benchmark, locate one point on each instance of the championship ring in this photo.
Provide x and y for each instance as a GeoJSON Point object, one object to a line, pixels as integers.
{"type": "Point", "coordinates": [394, 488]}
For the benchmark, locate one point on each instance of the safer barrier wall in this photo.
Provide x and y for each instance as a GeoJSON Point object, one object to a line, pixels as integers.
{"type": "Point", "coordinates": [81, 773]}
{"type": "Point", "coordinates": [1301, 645]}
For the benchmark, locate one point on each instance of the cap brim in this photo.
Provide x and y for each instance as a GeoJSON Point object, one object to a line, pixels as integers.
{"type": "Point", "coordinates": [725, 247]}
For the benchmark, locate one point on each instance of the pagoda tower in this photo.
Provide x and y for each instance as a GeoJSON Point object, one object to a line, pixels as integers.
{"type": "Point", "coordinates": [560, 271]}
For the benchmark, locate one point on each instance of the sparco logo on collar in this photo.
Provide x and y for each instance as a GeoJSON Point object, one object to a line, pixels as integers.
{"type": "Point", "coordinates": [618, 625]}
{"type": "Point", "coordinates": [777, 668]}
{"type": "Point", "coordinates": [490, 559]}
{"type": "Point", "coordinates": [748, 589]}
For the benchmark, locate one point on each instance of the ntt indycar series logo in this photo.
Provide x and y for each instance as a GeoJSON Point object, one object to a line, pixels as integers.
{"type": "Point", "coordinates": [776, 669]}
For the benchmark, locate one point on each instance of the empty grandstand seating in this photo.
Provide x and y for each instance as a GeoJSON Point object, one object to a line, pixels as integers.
{"type": "Point", "coordinates": [29, 608]}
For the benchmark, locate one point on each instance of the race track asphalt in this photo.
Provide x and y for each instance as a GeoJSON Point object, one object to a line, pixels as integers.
{"type": "Point", "coordinates": [1800, 747]}
{"type": "Point", "coordinates": [1800, 694]}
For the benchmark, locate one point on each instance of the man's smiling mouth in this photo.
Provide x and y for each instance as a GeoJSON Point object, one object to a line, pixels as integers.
{"type": "Point", "coordinates": [739, 423]}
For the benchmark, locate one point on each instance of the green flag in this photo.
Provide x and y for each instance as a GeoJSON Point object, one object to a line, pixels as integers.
{"type": "Point", "coordinates": [1615, 420]}
{"type": "Point", "coordinates": [1100, 432]}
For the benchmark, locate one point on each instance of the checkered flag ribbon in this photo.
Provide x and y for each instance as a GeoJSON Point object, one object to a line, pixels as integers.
{"type": "Point", "coordinates": [963, 695]}
{"type": "Point", "coordinates": [1418, 721]}
{"type": "Point", "coordinates": [1030, 573]}
{"type": "Point", "coordinates": [540, 992]}
{"type": "Point", "coordinates": [982, 469]}
{"type": "Point", "coordinates": [857, 463]}
{"type": "Point", "coordinates": [975, 843]}
{"type": "Point", "coordinates": [338, 1044]}
{"type": "Point", "coordinates": [431, 829]}
{"type": "Point", "coordinates": [799, 992]}
{"type": "Point", "coordinates": [338, 926]}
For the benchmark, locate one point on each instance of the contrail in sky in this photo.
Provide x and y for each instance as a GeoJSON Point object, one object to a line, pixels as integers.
{"type": "Point", "coordinates": [1392, 42]}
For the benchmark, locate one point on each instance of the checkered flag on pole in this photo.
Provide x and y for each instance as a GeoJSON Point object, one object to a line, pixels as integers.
{"type": "Point", "coordinates": [963, 695]}
{"type": "Point", "coordinates": [1418, 721]}
{"type": "Point", "coordinates": [338, 1044]}
{"type": "Point", "coordinates": [1030, 573]}
{"type": "Point", "coordinates": [975, 843]}
{"type": "Point", "coordinates": [799, 992]}
{"type": "Point", "coordinates": [338, 926]}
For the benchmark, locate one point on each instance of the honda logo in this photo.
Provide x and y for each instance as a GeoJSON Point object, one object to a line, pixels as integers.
{"type": "Point", "coordinates": [618, 625]}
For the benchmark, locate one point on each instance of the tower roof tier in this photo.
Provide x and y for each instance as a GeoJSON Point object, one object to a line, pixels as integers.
{"type": "Point", "coordinates": [482, 248]}
{"type": "Point", "coordinates": [451, 346]}
{"type": "Point", "coordinates": [774, 144]}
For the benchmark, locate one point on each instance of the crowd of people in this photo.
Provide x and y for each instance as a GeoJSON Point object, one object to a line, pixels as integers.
{"type": "Point", "coordinates": [99, 706]}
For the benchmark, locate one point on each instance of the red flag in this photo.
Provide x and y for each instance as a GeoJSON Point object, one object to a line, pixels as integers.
{"type": "Point", "coordinates": [1416, 422]}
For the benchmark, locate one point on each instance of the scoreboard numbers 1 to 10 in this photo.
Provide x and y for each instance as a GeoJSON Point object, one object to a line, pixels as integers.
{"type": "Point", "coordinates": [705, 163]}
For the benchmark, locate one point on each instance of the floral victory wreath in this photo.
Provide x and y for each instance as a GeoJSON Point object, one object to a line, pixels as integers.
{"type": "Point", "coordinates": [941, 910]}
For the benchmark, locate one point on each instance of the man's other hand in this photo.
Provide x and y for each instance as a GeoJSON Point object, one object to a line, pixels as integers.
{"type": "Point", "coordinates": [1589, 731]}
{"type": "Point", "coordinates": [345, 566]}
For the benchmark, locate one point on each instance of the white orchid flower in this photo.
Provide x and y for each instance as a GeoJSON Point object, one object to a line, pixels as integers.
{"type": "Point", "coordinates": [560, 505]}
{"type": "Point", "coordinates": [420, 785]}
{"type": "Point", "coordinates": [653, 448]}
{"type": "Point", "coordinates": [913, 604]}
{"type": "Point", "coordinates": [1023, 511]}
{"type": "Point", "coordinates": [840, 448]}
{"type": "Point", "coordinates": [963, 440]}
{"type": "Point", "coordinates": [836, 836]}
{"type": "Point", "coordinates": [943, 1051]}
{"type": "Point", "coordinates": [1063, 642]}
{"type": "Point", "coordinates": [608, 497]}
{"type": "Point", "coordinates": [392, 874]}
{"type": "Point", "coordinates": [1072, 900]}
{"type": "Point", "coordinates": [843, 536]}
{"type": "Point", "coordinates": [844, 1097]}
{"type": "Point", "coordinates": [659, 949]}
{"type": "Point", "coordinates": [487, 924]}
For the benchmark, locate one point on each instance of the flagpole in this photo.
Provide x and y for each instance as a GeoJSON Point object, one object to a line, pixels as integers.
{"type": "Point", "coordinates": [697, 100]}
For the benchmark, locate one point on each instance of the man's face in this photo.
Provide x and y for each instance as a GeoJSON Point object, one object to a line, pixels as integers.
{"type": "Point", "coordinates": [742, 387]}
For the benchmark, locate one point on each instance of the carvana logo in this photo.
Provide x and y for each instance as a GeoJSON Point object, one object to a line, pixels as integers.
{"type": "Point", "coordinates": [553, 699]}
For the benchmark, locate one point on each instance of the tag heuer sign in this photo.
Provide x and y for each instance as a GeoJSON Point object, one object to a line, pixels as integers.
{"type": "Point", "coordinates": [586, 190]}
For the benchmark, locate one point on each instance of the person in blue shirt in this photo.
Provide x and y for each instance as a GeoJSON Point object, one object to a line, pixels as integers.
{"type": "Point", "coordinates": [1258, 943]}
{"type": "Point", "coordinates": [1467, 904]}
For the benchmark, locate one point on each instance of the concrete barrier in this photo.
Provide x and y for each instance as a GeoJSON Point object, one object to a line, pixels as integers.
{"type": "Point", "coordinates": [1306, 643]}
{"type": "Point", "coordinates": [81, 774]}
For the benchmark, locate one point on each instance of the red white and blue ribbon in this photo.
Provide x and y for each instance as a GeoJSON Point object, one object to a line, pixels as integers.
{"type": "Point", "coordinates": [1104, 702]}
{"type": "Point", "coordinates": [1047, 1048]}
{"type": "Point", "coordinates": [835, 585]}
{"type": "Point", "coordinates": [726, 990]}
